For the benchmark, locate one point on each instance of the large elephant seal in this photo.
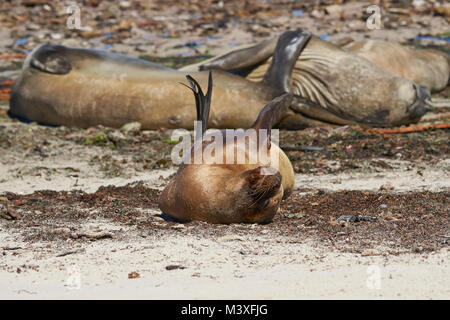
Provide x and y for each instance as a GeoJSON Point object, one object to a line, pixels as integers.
{"type": "Point", "coordinates": [81, 87]}
{"type": "Point", "coordinates": [221, 191]}
{"type": "Point", "coordinates": [427, 67]}
{"type": "Point", "coordinates": [338, 86]}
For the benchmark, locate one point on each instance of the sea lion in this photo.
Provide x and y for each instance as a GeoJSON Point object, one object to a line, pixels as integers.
{"type": "Point", "coordinates": [338, 86]}
{"type": "Point", "coordinates": [83, 88]}
{"type": "Point", "coordinates": [427, 67]}
{"type": "Point", "coordinates": [218, 191]}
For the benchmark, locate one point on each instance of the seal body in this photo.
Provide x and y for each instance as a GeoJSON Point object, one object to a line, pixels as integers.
{"type": "Point", "coordinates": [228, 193]}
{"type": "Point", "coordinates": [111, 89]}
{"type": "Point", "coordinates": [426, 67]}
{"type": "Point", "coordinates": [338, 87]}
{"type": "Point", "coordinates": [233, 181]}
{"type": "Point", "coordinates": [80, 87]}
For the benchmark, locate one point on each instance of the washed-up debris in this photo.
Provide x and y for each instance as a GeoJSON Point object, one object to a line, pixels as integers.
{"type": "Point", "coordinates": [412, 128]}
{"type": "Point", "coordinates": [66, 253]}
{"type": "Point", "coordinates": [131, 128]}
{"type": "Point", "coordinates": [175, 267]}
{"type": "Point", "coordinates": [11, 248]}
{"type": "Point", "coordinates": [91, 235]}
{"type": "Point", "coordinates": [9, 213]}
{"type": "Point", "coordinates": [370, 252]}
{"type": "Point", "coordinates": [133, 275]}
{"type": "Point", "coordinates": [386, 187]}
{"type": "Point", "coordinates": [355, 218]}
{"type": "Point", "coordinates": [301, 148]}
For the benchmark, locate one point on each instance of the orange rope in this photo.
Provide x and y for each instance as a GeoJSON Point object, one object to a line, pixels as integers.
{"type": "Point", "coordinates": [12, 56]}
{"type": "Point", "coordinates": [6, 82]}
{"type": "Point", "coordinates": [4, 96]}
{"type": "Point", "coordinates": [412, 128]}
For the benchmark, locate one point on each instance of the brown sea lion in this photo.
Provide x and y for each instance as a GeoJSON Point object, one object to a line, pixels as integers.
{"type": "Point", "coordinates": [338, 87]}
{"type": "Point", "coordinates": [218, 191]}
{"type": "Point", "coordinates": [81, 87]}
{"type": "Point", "coordinates": [426, 67]}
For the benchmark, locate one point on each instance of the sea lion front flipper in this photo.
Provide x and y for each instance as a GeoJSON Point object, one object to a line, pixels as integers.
{"type": "Point", "coordinates": [202, 102]}
{"type": "Point", "coordinates": [242, 58]}
{"type": "Point", "coordinates": [289, 46]}
{"type": "Point", "coordinates": [50, 58]}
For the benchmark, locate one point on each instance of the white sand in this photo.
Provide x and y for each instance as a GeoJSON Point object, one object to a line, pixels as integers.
{"type": "Point", "coordinates": [215, 269]}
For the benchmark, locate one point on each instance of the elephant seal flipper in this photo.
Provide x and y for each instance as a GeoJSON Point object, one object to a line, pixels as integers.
{"type": "Point", "coordinates": [287, 51]}
{"type": "Point", "coordinates": [241, 58]}
{"type": "Point", "coordinates": [51, 59]}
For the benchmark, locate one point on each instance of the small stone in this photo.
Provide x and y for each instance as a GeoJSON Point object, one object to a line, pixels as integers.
{"type": "Point", "coordinates": [174, 267]}
{"type": "Point", "coordinates": [56, 36]}
{"type": "Point", "coordinates": [133, 275]}
{"type": "Point", "coordinates": [125, 25]}
{"type": "Point", "coordinates": [179, 226]}
{"type": "Point", "coordinates": [370, 252]}
{"type": "Point", "coordinates": [33, 26]}
{"type": "Point", "coordinates": [124, 4]}
{"type": "Point", "coordinates": [116, 136]}
{"type": "Point", "coordinates": [131, 128]}
{"type": "Point", "coordinates": [230, 237]}
{"type": "Point", "coordinates": [333, 9]}
{"type": "Point", "coordinates": [387, 187]}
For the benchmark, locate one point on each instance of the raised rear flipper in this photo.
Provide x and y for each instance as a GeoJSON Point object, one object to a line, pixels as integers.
{"type": "Point", "coordinates": [289, 46]}
{"type": "Point", "coordinates": [50, 58]}
{"type": "Point", "coordinates": [202, 102]}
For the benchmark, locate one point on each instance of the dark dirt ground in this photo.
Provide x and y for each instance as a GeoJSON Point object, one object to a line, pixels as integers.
{"type": "Point", "coordinates": [404, 222]}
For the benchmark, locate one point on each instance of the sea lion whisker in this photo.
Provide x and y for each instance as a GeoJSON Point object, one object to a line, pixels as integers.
{"type": "Point", "coordinates": [261, 196]}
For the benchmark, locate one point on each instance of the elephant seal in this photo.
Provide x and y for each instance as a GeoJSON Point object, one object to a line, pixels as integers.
{"type": "Point", "coordinates": [83, 88]}
{"type": "Point", "coordinates": [427, 67]}
{"type": "Point", "coordinates": [220, 191]}
{"type": "Point", "coordinates": [338, 87]}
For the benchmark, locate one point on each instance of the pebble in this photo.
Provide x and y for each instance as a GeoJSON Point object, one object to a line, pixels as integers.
{"type": "Point", "coordinates": [370, 252]}
{"type": "Point", "coordinates": [387, 187]}
{"type": "Point", "coordinates": [132, 128]}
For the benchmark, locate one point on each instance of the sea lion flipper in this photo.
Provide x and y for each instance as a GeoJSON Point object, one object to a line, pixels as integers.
{"type": "Point", "coordinates": [50, 58]}
{"type": "Point", "coordinates": [242, 58]}
{"type": "Point", "coordinates": [287, 51]}
{"type": "Point", "coordinates": [202, 102]}
{"type": "Point", "coordinates": [270, 115]}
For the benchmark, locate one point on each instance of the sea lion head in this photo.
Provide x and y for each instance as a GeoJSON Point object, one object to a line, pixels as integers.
{"type": "Point", "coordinates": [231, 183]}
